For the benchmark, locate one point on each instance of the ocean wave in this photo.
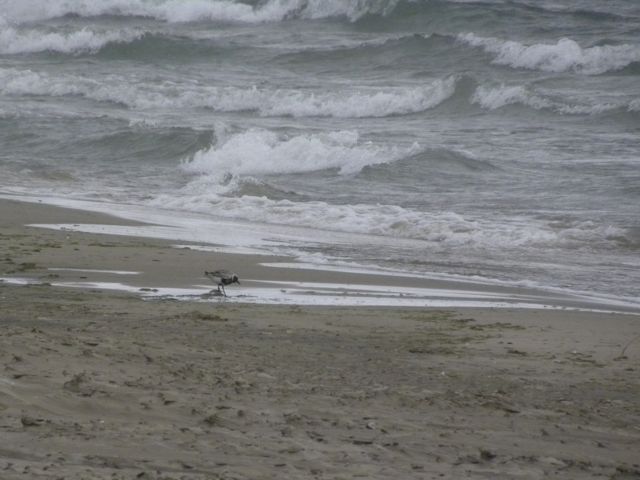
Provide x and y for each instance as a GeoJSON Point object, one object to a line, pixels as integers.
{"type": "Point", "coordinates": [427, 166]}
{"type": "Point", "coordinates": [8, 115]}
{"type": "Point", "coordinates": [358, 104]}
{"type": "Point", "coordinates": [385, 49]}
{"type": "Point", "coordinates": [564, 56]}
{"type": "Point", "coordinates": [592, 13]}
{"type": "Point", "coordinates": [171, 43]}
{"type": "Point", "coordinates": [220, 175]}
{"type": "Point", "coordinates": [594, 109]}
{"type": "Point", "coordinates": [443, 229]}
{"type": "Point", "coordinates": [27, 82]}
{"type": "Point", "coordinates": [196, 10]}
{"type": "Point", "coordinates": [13, 41]}
{"type": "Point", "coordinates": [353, 103]}
{"type": "Point", "coordinates": [365, 102]}
{"type": "Point", "coordinates": [263, 152]}
{"type": "Point", "coordinates": [493, 98]}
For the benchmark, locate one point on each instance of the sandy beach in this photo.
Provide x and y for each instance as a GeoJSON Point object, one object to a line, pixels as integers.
{"type": "Point", "coordinates": [101, 383]}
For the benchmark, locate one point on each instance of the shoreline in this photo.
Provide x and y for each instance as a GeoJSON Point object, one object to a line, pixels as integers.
{"type": "Point", "coordinates": [105, 384]}
{"type": "Point", "coordinates": [176, 268]}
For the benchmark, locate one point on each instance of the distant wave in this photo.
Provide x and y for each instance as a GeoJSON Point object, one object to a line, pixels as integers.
{"type": "Point", "coordinates": [13, 41]}
{"type": "Point", "coordinates": [593, 13]}
{"type": "Point", "coordinates": [195, 10]}
{"type": "Point", "coordinates": [132, 43]}
{"type": "Point", "coordinates": [379, 50]}
{"type": "Point", "coordinates": [352, 103]}
{"type": "Point", "coordinates": [493, 98]}
{"type": "Point", "coordinates": [363, 103]}
{"type": "Point", "coordinates": [563, 56]}
{"type": "Point", "coordinates": [239, 11]}
{"type": "Point", "coordinates": [155, 43]}
{"type": "Point", "coordinates": [8, 115]}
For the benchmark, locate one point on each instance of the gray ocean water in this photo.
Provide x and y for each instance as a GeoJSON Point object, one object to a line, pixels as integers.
{"type": "Point", "coordinates": [504, 135]}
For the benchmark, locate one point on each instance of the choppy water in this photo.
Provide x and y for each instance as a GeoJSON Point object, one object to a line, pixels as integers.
{"type": "Point", "coordinates": [504, 135]}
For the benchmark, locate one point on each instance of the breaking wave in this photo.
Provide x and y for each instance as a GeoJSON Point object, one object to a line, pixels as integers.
{"type": "Point", "coordinates": [263, 152]}
{"type": "Point", "coordinates": [364, 102]}
{"type": "Point", "coordinates": [493, 98]}
{"type": "Point", "coordinates": [564, 56]}
{"type": "Point", "coordinates": [354, 103]}
{"type": "Point", "coordinates": [260, 11]}
{"type": "Point", "coordinates": [13, 41]}
{"type": "Point", "coordinates": [196, 10]}
{"type": "Point", "coordinates": [444, 229]}
{"type": "Point", "coordinates": [220, 175]}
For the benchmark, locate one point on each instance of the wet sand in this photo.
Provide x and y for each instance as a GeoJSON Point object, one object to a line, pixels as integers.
{"type": "Point", "coordinates": [106, 384]}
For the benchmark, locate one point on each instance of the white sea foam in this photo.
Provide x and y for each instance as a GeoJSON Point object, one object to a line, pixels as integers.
{"type": "Point", "coordinates": [343, 103]}
{"type": "Point", "coordinates": [363, 103]}
{"type": "Point", "coordinates": [263, 152]}
{"type": "Point", "coordinates": [27, 11]}
{"type": "Point", "coordinates": [587, 109]}
{"type": "Point", "coordinates": [269, 11]}
{"type": "Point", "coordinates": [26, 82]}
{"type": "Point", "coordinates": [443, 229]}
{"type": "Point", "coordinates": [93, 270]}
{"type": "Point", "coordinates": [194, 10]}
{"type": "Point", "coordinates": [240, 157]}
{"type": "Point", "coordinates": [493, 98]}
{"type": "Point", "coordinates": [565, 55]}
{"type": "Point", "coordinates": [350, 103]}
{"type": "Point", "coordinates": [13, 41]}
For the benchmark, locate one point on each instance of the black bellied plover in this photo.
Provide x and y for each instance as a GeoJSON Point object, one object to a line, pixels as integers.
{"type": "Point", "coordinates": [222, 278]}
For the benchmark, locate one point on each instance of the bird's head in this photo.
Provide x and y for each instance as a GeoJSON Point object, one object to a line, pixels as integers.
{"type": "Point", "coordinates": [235, 279]}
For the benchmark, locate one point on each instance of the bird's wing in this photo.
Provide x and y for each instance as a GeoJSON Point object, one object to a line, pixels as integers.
{"type": "Point", "coordinates": [220, 273]}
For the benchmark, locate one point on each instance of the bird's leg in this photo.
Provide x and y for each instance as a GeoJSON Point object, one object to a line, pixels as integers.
{"type": "Point", "coordinates": [223, 290]}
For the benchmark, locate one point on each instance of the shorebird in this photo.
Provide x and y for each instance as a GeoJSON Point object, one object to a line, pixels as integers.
{"type": "Point", "coordinates": [222, 278]}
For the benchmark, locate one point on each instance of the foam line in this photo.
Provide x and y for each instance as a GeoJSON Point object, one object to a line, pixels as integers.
{"type": "Point", "coordinates": [91, 270]}
{"type": "Point", "coordinates": [563, 56]}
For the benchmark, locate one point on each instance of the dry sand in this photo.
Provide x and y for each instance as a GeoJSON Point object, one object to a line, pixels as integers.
{"type": "Point", "coordinates": [102, 384]}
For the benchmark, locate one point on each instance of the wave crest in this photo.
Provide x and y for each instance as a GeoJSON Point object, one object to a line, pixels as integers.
{"type": "Point", "coordinates": [363, 103]}
{"type": "Point", "coordinates": [356, 103]}
{"type": "Point", "coordinates": [566, 55]}
{"type": "Point", "coordinates": [263, 152]}
{"type": "Point", "coordinates": [443, 229]}
{"type": "Point", "coordinates": [13, 41]}
{"type": "Point", "coordinates": [196, 10]}
{"type": "Point", "coordinates": [493, 98]}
